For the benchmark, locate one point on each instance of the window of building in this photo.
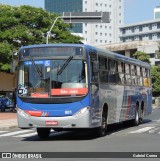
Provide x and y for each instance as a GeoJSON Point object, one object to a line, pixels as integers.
{"type": "Point", "coordinates": [123, 31]}
{"type": "Point", "coordinates": [158, 25]}
{"type": "Point", "coordinates": [158, 35]}
{"type": "Point", "coordinates": [140, 28]}
{"type": "Point", "coordinates": [150, 36]}
{"type": "Point", "coordinates": [132, 30]}
{"type": "Point", "coordinates": [152, 55]}
{"type": "Point", "coordinates": [150, 27]}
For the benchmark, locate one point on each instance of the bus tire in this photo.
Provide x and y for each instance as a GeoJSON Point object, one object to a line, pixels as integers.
{"type": "Point", "coordinates": [101, 131]}
{"type": "Point", "coordinates": [136, 119]}
{"type": "Point", "coordinates": [141, 113]}
{"type": "Point", "coordinates": [43, 133]}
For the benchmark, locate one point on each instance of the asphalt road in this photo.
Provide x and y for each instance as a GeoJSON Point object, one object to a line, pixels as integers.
{"type": "Point", "coordinates": [143, 138]}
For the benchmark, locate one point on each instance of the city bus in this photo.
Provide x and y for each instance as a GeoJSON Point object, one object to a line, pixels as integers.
{"type": "Point", "coordinates": [75, 86]}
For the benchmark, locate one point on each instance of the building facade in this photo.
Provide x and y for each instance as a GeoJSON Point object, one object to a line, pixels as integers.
{"type": "Point", "coordinates": [151, 48]}
{"type": "Point", "coordinates": [93, 34]}
{"type": "Point", "coordinates": [157, 12]}
{"type": "Point", "coordinates": [142, 31]}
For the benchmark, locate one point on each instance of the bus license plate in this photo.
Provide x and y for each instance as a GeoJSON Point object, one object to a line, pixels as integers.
{"type": "Point", "coordinates": [51, 123]}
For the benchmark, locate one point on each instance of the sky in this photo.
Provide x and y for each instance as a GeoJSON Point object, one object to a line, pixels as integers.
{"type": "Point", "coordinates": [134, 10]}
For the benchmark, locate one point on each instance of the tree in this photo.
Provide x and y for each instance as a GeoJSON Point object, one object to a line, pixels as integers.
{"type": "Point", "coordinates": [26, 25]}
{"type": "Point", "coordinates": [155, 74]}
{"type": "Point", "coordinates": [142, 56]}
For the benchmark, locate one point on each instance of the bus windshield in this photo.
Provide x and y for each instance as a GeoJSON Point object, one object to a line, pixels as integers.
{"type": "Point", "coordinates": [52, 78]}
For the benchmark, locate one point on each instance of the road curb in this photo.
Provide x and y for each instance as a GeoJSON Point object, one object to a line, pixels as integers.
{"type": "Point", "coordinates": [8, 128]}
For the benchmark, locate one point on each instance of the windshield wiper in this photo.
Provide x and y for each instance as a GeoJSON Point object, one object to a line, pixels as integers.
{"type": "Point", "coordinates": [36, 67]}
{"type": "Point", "coordinates": [64, 65]}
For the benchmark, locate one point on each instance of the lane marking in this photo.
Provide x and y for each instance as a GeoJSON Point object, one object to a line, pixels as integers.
{"type": "Point", "coordinates": [3, 131]}
{"type": "Point", "coordinates": [141, 130]}
{"type": "Point", "coordinates": [26, 135]}
{"type": "Point", "coordinates": [153, 130]}
{"type": "Point", "coordinates": [16, 132]}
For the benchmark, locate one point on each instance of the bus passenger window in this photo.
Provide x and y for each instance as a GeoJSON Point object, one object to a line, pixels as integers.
{"type": "Point", "coordinates": [139, 76]}
{"type": "Point", "coordinates": [120, 73]}
{"type": "Point", "coordinates": [133, 75]}
{"type": "Point", "coordinates": [112, 65]}
{"type": "Point", "coordinates": [94, 75]}
{"type": "Point", "coordinates": [127, 74]}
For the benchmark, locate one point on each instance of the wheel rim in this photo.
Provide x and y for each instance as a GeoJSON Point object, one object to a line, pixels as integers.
{"type": "Point", "coordinates": [137, 117]}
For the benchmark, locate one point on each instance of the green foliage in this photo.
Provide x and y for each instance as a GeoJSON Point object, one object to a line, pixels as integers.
{"type": "Point", "coordinates": [155, 74]}
{"type": "Point", "coordinates": [142, 56]}
{"type": "Point", "coordinates": [26, 25]}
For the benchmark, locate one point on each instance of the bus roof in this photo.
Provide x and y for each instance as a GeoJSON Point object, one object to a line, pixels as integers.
{"type": "Point", "coordinates": [102, 52]}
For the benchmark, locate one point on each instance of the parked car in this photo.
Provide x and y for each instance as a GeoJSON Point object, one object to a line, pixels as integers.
{"type": "Point", "coordinates": [6, 103]}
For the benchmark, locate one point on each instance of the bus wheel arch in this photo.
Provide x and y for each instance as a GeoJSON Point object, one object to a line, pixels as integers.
{"type": "Point", "coordinates": [101, 131]}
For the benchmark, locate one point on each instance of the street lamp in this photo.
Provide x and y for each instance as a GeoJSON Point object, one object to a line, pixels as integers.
{"type": "Point", "coordinates": [81, 17]}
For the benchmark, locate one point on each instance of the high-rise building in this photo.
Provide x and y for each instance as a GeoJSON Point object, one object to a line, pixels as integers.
{"type": "Point", "coordinates": [93, 34]}
{"type": "Point", "coordinates": [157, 12]}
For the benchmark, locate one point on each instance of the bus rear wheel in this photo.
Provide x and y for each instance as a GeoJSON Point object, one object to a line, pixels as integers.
{"type": "Point", "coordinates": [43, 132]}
{"type": "Point", "coordinates": [136, 119]}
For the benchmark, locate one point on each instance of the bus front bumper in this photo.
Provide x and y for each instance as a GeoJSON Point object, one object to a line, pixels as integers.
{"type": "Point", "coordinates": [27, 121]}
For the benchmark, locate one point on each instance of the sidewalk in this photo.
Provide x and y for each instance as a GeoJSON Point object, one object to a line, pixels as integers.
{"type": "Point", "coordinates": [8, 120]}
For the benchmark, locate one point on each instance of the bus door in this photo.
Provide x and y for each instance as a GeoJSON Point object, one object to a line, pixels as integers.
{"type": "Point", "coordinates": [94, 89]}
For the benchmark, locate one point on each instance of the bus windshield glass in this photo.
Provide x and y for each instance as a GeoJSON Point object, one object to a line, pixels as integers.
{"type": "Point", "coordinates": [52, 78]}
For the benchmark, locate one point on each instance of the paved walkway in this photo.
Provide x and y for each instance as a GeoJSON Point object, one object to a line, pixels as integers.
{"type": "Point", "coordinates": [8, 120]}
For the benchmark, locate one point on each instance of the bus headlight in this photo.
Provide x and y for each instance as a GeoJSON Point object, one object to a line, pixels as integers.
{"type": "Point", "coordinates": [81, 112]}
{"type": "Point", "coordinates": [22, 113]}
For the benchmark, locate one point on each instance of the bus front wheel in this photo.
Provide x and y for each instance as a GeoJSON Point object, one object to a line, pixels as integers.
{"type": "Point", "coordinates": [43, 132]}
{"type": "Point", "coordinates": [101, 131]}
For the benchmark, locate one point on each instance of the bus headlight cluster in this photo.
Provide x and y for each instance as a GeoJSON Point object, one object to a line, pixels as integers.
{"type": "Point", "coordinates": [81, 112]}
{"type": "Point", "coordinates": [22, 113]}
